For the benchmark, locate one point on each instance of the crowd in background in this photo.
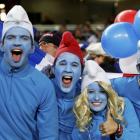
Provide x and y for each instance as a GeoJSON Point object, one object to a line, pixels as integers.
{"type": "Point", "coordinates": [86, 37]}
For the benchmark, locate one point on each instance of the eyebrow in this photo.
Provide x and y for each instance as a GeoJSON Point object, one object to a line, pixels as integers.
{"type": "Point", "coordinates": [62, 60]}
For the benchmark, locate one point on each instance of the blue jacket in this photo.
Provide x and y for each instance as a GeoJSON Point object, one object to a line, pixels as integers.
{"type": "Point", "coordinates": [130, 88]}
{"type": "Point", "coordinates": [131, 130]}
{"type": "Point", "coordinates": [66, 116]}
{"type": "Point", "coordinates": [93, 131]}
{"type": "Point", "coordinates": [28, 108]}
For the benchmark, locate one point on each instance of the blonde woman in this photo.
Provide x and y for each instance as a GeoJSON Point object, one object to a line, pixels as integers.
{"type": "Point", "coordinates": [96, 102]}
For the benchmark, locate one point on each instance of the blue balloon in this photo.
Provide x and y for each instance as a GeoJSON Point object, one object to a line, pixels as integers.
{"type": "Point", "coordinates": [119, 40]}
{"type": "Point", "coordinates": [136, 23]}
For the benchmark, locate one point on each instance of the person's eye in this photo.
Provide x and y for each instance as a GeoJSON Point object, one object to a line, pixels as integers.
{"type": "Point", "coordinates": [91, 91]}
{"type": "Point", "coordinates": [75, 64]}
{"type": "Point", "coordinates": [62, 63]}
{"type": "Point", "coordinates": [25, 38]}
{"type": "Point", "coordinates": [10, 37]}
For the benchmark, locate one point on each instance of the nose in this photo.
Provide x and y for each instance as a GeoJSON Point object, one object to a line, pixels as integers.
{"type": "Point", "coordinates": [68, 68]}
{"type": "Point", "coordinates": [96, 96]}
{"type": "Point", "coordinates": [17, 42]}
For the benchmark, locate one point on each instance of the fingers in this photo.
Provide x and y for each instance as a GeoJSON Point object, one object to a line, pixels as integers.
{"type": "Point", "coordinates": [103, 130]}
{"type": "Point", "coordinates": [106, 129]}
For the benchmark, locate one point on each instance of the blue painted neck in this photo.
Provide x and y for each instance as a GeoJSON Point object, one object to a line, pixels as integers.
{"type": "Point", "coordinates": [100, 114]}
{"type": "Point", "coordinates": [13, 71]}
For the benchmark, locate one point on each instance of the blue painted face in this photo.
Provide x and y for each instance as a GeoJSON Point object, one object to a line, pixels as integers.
{"type": "Point", "coordinates": [97, 97]}
{"type": "Point", "coordinates": [17, 46]}
{"type": "Point", "coordinates": [67, 71]}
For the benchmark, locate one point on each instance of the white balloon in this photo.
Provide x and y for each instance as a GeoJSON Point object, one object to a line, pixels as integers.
{"type": "Point", "coordinates": [128, 65]}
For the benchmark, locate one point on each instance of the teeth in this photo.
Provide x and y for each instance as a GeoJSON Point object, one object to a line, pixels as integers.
{"type": "Point", "coordinates": [96, 103]}
{"type": "Point", "coordinates": [16, 50]}
{"type": "Point", "coordinates": [67, 77]}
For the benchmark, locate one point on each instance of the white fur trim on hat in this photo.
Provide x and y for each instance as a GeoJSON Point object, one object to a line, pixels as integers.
{"type": "Point", "coordinates": [17, 16]}
{"type": "Point", "coordinates": [95, 48]}
{"type": "Point", "coordinates": [92, 73]}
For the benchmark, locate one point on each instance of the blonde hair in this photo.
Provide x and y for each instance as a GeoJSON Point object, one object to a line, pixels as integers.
{"type": "Point", "coordinates": [83, 113]}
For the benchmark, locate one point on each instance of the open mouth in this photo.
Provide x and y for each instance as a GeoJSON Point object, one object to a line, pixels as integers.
{"type": "Point", "coordinates": [67, 80]}
{"type": "Point", "coordinates": [16, 54]}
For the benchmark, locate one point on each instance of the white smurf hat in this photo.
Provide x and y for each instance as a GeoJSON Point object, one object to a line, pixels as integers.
{"type": "Point", "coordinates": [17, 16]}
{"type": "Point", "coordinates": [95, 48]}
{"type": "Point", "coordinates": [92, 73]}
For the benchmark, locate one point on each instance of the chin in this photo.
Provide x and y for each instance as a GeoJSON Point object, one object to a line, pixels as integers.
{"type": "Point", "coordinates": [17, 65]}
{"type": "Point", "coordinates": [66, 89]}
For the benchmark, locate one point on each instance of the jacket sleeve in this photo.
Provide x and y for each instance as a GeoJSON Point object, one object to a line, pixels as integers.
{"type": "Point", "coordinates": [47, 116]}
{"type": "Point", "coordinates": [131, 130]}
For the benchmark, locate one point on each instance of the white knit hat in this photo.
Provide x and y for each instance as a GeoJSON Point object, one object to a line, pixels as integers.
{"type": "Point", "coordinates": [17, 16]}
{"type": "Point", "coordinates": [95, 48]}
{"type": "Point", "coordinates": [92, 73]}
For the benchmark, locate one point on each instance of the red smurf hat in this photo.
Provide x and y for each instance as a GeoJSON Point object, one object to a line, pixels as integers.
{"type": "Point", "coordinates": [69, 44]}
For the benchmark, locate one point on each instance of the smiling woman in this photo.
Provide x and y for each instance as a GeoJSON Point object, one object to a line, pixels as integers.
{"type": "Point", "coordinates": [97, 103]}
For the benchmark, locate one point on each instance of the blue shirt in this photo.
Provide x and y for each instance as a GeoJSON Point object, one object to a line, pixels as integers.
{"type": "Point", "coordinates": [28, 108]}
{"type": "Point", "coordinates": [131, 131]}
{"type": "Point", "coordinates": [66, 116]}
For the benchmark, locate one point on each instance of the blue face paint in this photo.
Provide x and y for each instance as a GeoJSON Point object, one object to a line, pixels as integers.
{"type": "Point", "coordinates": [67, 71]}
{"type": "Point", "coordinates": [17, 46]}
{"type": "Point", "coordinates": [97, 97]}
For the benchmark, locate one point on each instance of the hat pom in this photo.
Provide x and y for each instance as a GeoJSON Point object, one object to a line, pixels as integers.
{"type": "Point", "coordinates": [67, 38]}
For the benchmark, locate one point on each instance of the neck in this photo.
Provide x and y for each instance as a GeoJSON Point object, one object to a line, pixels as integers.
{"type": "Point", "coordinates": [18, 71]}
{"type": "Point", "coordinates": [101, 113]}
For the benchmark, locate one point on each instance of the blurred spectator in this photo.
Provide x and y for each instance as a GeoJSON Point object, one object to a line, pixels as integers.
{"type": "Point", "coordinates": [48, 43]}
{"type": "Point", "coordinates": [78, 34]}
{"type": "Point", "coordinates": [62, 28]}
{"type": "Point", "coordinates": [89, 34]}
{"type": "Point", "coordinates": [96, 53]}
{"type": "Point", "coordinates": [108, 64]}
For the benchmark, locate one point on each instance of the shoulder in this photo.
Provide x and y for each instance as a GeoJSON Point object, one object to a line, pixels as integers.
{"type": "Point", "coordinates": [124, 79]}
{"type": "Point", "coordinates": [40, 79]}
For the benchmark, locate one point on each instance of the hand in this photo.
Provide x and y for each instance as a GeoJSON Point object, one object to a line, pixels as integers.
{"type": "Point", "coordinates": [109, 126]}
